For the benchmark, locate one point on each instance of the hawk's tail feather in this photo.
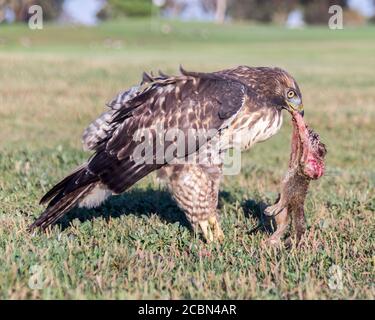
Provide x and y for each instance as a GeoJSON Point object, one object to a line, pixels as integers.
{"type": "Point", "coordinates": [56, 211]}
{"type": "Point", "coordinates": [65, 196]}
{"type": "Point", "coordinates": [59, 187]}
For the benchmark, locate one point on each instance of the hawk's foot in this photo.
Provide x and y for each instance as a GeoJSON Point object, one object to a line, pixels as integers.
{"type": "Point", "coordinates": [211, 229]}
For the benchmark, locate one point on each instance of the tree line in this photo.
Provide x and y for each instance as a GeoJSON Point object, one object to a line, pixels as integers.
{"type": "Point", "coordinates": [263, 11]}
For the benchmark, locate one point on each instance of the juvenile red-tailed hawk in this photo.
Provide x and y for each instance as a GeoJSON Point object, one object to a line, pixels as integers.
{"type": "Point", "coordinates": [244, 102]}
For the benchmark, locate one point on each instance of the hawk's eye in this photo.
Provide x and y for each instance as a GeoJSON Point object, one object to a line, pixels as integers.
{"type": "Point", "coordinates": [291, 94]}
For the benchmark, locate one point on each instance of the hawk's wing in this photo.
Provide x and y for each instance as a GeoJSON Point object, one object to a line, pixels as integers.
{"type": "Point", "coordinates": [99, 129]}
{"type": "Point", "coordinates": [190, 101]}
{"type": "Point", "coordinates": [103, 126]}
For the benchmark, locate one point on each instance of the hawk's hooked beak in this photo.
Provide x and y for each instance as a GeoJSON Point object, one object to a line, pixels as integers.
{"type": "Point", "coordinates": [295, 105]}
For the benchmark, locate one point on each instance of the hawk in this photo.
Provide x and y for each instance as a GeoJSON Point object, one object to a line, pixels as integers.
{"type": "Point", "coordinates": [245, 102]}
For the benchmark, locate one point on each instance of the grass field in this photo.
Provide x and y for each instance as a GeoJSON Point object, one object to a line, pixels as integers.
{"type": "Point", "coordinates": [54, 81]}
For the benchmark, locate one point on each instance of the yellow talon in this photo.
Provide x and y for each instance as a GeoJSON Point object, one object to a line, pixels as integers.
{"type": "Point", "coordinates": [207, 233]}
{"type": "Point", "coordinates": [211, 229]}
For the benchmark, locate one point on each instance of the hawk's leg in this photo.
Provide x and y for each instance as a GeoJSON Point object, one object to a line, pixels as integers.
{"type": "Point", "coordinates": [195, 189]}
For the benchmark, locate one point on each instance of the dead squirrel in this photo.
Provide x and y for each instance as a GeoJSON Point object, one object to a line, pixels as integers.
{"type": "Point", "coordinates": [306, 163]}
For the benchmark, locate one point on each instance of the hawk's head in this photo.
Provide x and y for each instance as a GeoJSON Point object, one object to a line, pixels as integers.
{"type": "Point", "coordinates": [284, 91]}
{"type": "Point", "coordinates": [276, 87]}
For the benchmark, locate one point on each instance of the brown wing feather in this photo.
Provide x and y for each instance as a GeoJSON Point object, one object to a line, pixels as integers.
{"type": "Point", "coordinates": [192, 100]}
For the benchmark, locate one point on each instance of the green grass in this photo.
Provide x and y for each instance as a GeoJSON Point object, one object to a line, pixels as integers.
{"type": "Point", "coordinates": [55, 81]}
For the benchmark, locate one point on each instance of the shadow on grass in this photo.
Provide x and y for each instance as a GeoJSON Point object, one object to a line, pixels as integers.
{"type": "Point", "coordinates": [146, 202]}
{"type": "Point", "coordinates": [252, 209]}
{"type": "Point", "coordinates": [255, 209]}
{"type": "Point", "coordinates": [136, 202]}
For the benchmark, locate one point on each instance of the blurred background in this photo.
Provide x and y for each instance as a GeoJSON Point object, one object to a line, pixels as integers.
{"type": "Point", "coordinates": [292, 13]}
{"type": "Point", "coordinates": [82, 52]}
